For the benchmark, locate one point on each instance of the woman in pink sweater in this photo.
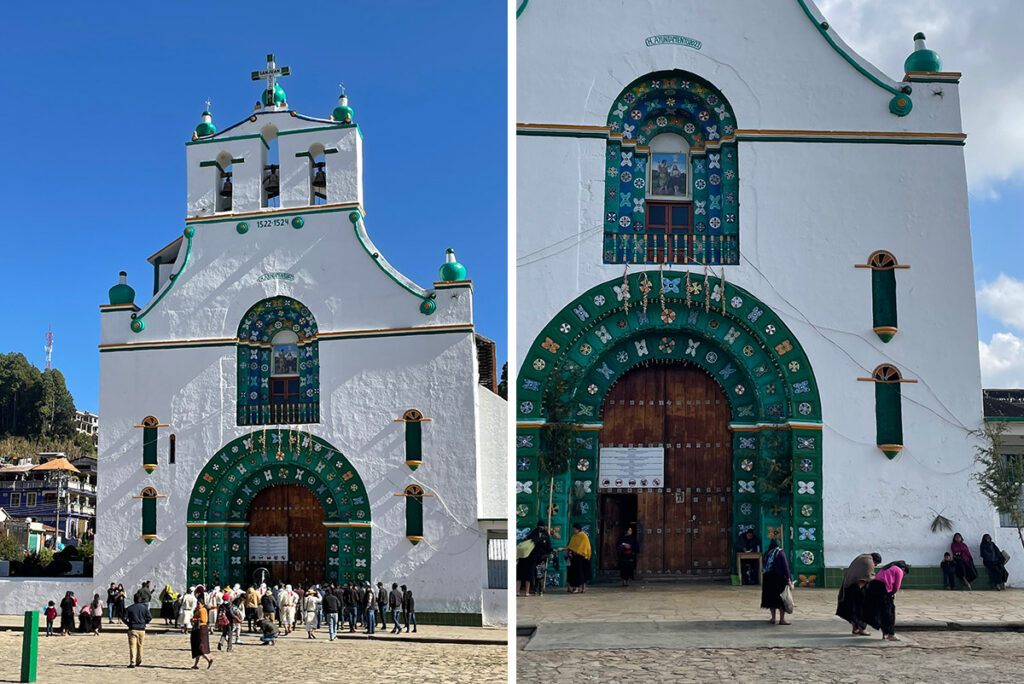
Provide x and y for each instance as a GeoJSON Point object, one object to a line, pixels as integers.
{"type": "Point", "coordinates": [879, 598]}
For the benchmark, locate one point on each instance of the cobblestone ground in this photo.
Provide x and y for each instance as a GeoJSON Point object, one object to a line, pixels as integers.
{"type": "Point", "coordinates": [295, 659]}
{"type": "Point", "coordinates": [940, 657]}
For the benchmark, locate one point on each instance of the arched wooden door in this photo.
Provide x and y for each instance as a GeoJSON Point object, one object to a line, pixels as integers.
{"type": "Point", "coordinates": [684, 526]}
{"type": "Point", "coordinates": [293, 511]}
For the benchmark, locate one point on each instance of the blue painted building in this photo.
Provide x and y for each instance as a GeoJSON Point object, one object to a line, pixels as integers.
{"type": "Point", "coordinates": [54, 493]}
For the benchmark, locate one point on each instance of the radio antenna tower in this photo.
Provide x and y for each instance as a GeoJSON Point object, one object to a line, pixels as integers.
{"type": "Point", "coordinates": [49, 346]}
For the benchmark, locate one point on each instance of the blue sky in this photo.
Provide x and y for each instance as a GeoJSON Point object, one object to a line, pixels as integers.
{"type": "Point", "coordinates": [101, 98]}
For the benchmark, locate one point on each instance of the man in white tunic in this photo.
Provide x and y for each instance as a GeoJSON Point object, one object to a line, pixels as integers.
{"type": "Point", "coordinates": [289, 600]}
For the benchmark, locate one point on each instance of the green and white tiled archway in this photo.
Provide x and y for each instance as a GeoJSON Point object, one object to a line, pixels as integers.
{"type": "Point", "coordinates": [653, 316]}
{"type": "Point", "coordinates": [218, 507]}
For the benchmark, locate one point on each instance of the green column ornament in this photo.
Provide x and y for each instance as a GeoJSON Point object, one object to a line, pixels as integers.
{"type": "Point", "coordinates": [888, 409]}
{"type": "Point", "coordinates": [413, 419]}
{"type": "Point", "coordinates": [150, 426]}
{"type": "Point", "coordinates": [414, 513]}
{"type": "Point", "coordinates": [149, 497]}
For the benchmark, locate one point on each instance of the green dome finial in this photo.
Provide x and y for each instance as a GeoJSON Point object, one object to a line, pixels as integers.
{"type": "Point", "coordinates": [343, 113]}
{"type": "Point", "coordinates": [122, 293]}
{"type": "Point", "coordinates": [922, 59]}
{"type": "Point", "coordinates": [279, 99]}
{"type": "Point", "coordinates": [451, 270]}
{"type": "Point", "coordinates": [206, 126]}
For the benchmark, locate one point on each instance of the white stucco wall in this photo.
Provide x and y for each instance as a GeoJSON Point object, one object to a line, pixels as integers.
{"type": "Point", "coordinates": [808, 213]}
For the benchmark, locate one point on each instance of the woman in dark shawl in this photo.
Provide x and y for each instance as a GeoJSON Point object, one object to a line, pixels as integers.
{"type": "Point", "coordinates": [880, 598]}
{"type": "Point", "coordinates": [67, 613]}
{"type": "Point", "coordinates": [994, 562]}
{"type": "Point", "coordinates": [774, 578]}
{"type": "Point", "coordinates": [965, 569]}
{"type": "Point", "coordinates": [119, 607]}
{"type": "Point", "coordinates": [851, 592]}
{"type": "Point", "coordinates": [628, 549]}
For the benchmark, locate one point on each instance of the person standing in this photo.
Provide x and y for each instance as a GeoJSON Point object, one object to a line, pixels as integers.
{"type": "Point", "coordinates": [880, 596]}
{"type": "Point", "coordinates": [331, 606]}
{"type": "Point", "coordinates": [289, 601]}
{"type": "Point", "coordinates": [395, 605]}
{"type": "Point", "coordinates": [67, 613]}
{"type": "Point", "coordinates": [309, 606]}
{"type": "Point", "coordinates": [111, 600]}
{"type": "Point", "coordinates": [223, 619]}
{"type": "Point", "coordinates": [269, 605]}
{"type": "Point", "coordinates": [994, 562]}
{"type": "Point", "coordinates": [577, 555]}
{"type": "Point", "coordinates": [965, 569]}
{"type": "Point", "coordinates": [96, 612]}
{"type": "Point", "coordinates": [382, 605]}
{"type": "Point", "coordinates": [252, 600]}
{"type": "Point", "coordinates": [237, 616]}
{"type": "Point", "coordinates": [408, 608]}
{"type": "Point", "coordinates": [145, 592]}
{"type": "Point", "coordinates": [120, 607]}
{"type": "Point", "coordinates": [369, 606]}
{"type": "Point", "coordinates": [361, 603]}
{"type": "Point", "coordinates": [167, 597]}
{"type": "Point", "coordinates": [348, 602]}
{"type": "Point", "coordinates": [199, 639]}
{"type": "Point", "coordinates": [774, 578]}
{"type": "Point", "coordinates": [628, 549]}
{"type": "Point", "coordinates": [51, 615]}
{"type": "Point", "coordinates": [136, 618]}
{"type": "Point", "coordinates": [188, 608]}
{"type": "Point", "coordinates": [850, 605]}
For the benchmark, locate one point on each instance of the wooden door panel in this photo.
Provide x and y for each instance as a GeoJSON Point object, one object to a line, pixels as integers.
{"type": "Point", "coordinates": [610, 532]}
{"type": "Point", "coordinates": [294, 511]}
{"type": "Point", "coordinates": [650, 514]}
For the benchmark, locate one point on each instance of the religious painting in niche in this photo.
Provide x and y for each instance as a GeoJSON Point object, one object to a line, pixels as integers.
{"type": "Point", "coordinates": [668, 174]}
{"type": "Point", "coordinates": [286, 353]}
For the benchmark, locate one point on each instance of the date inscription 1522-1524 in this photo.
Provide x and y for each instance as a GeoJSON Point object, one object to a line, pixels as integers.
{"type": "Point", "coordinates": [270, 223]}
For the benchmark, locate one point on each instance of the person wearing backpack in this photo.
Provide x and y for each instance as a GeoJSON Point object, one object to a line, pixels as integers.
{"type": "Point", "coordinates": [224, 622]}
{"type": "Point", "coordinates": [51, 615]}
{"type": "Point", "coordinates": [237, 616]}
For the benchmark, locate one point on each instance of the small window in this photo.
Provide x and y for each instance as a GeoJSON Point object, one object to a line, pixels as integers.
{"type": "Point", "coordinates": [669, 226]}
{"type": "Point", "coordinates": [497, 560]}
{"type": "Point", "coordinates": [50, 499]}
{"type": "Point", "coordinates": [171, 447]}
{"type": "Point", "coordinates": [30, 500]}
{"type": "Point", "coordinates": [15, 499]}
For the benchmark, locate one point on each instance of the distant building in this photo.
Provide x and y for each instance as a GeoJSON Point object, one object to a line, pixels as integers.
{"type": "Point", "coordinates": [1007, 406]}
{"type": "Point", "coordinates": [52, 492]}
{"type": "Point", "coordinates": [87, 423]}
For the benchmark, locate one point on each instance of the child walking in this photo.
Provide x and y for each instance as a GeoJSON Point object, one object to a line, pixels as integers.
{"type": "Point", "coordinates": [51, 615]}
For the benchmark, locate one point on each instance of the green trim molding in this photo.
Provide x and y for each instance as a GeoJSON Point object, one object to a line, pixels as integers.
{"type": "Point", "coordinates": [138, 323]}
{"type": "Point", "coordinates": [356, 217]}
{"type": "Point", "coordinates": [681, 317]}
{"type": "Point", "coordinates": [900, 104]}
{"type": "Point", "coordinates": [227, 484]}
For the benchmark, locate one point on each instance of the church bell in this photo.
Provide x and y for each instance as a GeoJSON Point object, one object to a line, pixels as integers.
{"type": "Point", "coordinates": [320, 181]}
{"type": "Point", "coordinates": [272, 180]}
{"type": "Point", "coordinates": [225, 188]}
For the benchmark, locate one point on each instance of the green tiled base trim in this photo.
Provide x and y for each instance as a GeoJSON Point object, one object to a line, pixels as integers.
{"type": "Point", "coordinates": [920, 577]}
{"type": "Point", "coordinates": [447, 619]}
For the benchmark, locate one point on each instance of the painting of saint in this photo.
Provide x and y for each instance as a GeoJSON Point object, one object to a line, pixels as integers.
{"type": "Point", "coordinates": [668, 174]}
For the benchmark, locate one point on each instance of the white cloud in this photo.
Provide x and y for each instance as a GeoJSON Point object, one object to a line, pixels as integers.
{"type": "Point", "coordinates": [980, 39]}
{"type": "Point", "coordinates": [1002, 361]}
{"type": "Point", "coordinates": [1003, 300]}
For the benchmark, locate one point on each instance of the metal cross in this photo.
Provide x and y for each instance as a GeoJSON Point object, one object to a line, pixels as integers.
{"type": "Point", "coordinates": [342, 86]}
{"type": "Point", "coordinates": [271, 73]}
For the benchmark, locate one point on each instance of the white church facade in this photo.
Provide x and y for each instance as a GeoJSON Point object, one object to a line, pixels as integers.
{"type": "Point", "coordinates": [744, 280]}
{"type": "Point", "coordinates": [287, 404]}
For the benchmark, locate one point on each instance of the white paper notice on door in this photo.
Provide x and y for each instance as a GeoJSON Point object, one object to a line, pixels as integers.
{"type": "Point", "coordinates": [631, 468]}
{"type": "Point", "coordinates": [268, 548]}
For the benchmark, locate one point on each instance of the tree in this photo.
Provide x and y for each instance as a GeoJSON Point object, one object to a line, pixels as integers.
{"type": "Point", "coordinates": [1001, 477]}
{"type": "Point", "coordinates": [503, 383]}
{"type": "Point", "coordinates": [558, 434]}
{"type": "Point", "coordinates": [19, 393]}
{"type": "Point", "coordinates": [55, 407]}
{"type": "Point", "coordinates": [10, 548]}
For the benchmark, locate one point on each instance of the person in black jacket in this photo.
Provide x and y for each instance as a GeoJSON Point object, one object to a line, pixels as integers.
{"type": "Point", "coordinates": [331, 606]}
{"type": "Point", "coordinates": [408, 608]}
{"type": "Point", "coordinates": [395, 605]}
{"type": "Point", "coordinates": [382, 604]}
{"type": "Point", "coordinates": [361, 603]}
{"type": "Point", "coordinates": [348, 601]}
{"type": "Point", "coordinates": [268, 602]}
{"type": "Point", "coordinates": [111, 600]}
{"type": "Point", "coordinates": [137, 616]}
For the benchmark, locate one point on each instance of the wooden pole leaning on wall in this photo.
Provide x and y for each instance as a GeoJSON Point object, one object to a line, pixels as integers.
{"type": "Point", "coordinates": [30, 646]}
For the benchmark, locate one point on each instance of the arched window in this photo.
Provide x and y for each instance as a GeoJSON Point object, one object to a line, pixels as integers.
{"type": "Point", "coordinates": [317, 174]}
{"type": "Point", "coordinates": [413, 419]}
{"type": "Point", "coordinates": [888, 408]}
{"type": "Point", "coordinates": [270, 192]}
{"type": "Point", "coordinates": [150, 427]}
{"type": "Point", "coordinates": [414, 513]}
{"type": "Point", "coordinates": [224, 187]}
{"type": "Point", "coordinates": [149, 497]}
{"type": "Point", "coordinates": [278, 364]}
{"type": "Point", "coordinates": [883, 267]}
{"type": "Point", "coordinates": [671, 182]}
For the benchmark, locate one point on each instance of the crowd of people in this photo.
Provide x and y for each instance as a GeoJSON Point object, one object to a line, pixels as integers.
{"type": "Point", "coordinates": [265, 611]}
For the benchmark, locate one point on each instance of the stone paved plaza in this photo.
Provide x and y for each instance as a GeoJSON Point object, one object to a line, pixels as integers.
{"type": "Point", "coordinates": [102, 659]}
{"type": "Point", "coordinates": [653, 632]}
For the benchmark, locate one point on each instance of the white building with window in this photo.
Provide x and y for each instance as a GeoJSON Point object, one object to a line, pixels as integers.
{"type": "Point", "coordinates": [285, 405]}
{"type": "Point", "coordinates": [744, 255]}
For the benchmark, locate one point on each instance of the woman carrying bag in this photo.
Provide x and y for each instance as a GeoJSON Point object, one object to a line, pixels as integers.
{"type": "Point", "coordinates": [775, 582]}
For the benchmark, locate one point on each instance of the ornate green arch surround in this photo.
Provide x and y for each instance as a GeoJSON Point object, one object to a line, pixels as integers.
{"type": "Point", "coordinates": [219, 504]}
{"type": "Point", "coordinates": [671, 316]}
